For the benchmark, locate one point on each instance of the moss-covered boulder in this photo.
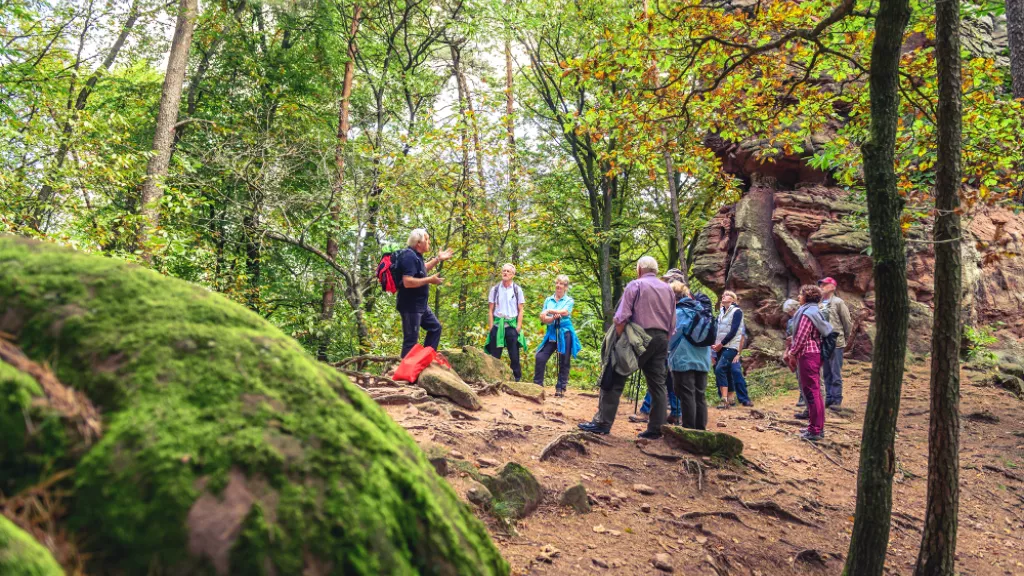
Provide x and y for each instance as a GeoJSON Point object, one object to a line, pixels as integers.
{"type": "Point", "coordinates": [703, 442]}
{"type": "Point", "coordinates": [225, 448]}
{"type": "Point", "coordinates": [527, 390]}
{"type": "Point", "coordinates": [21, 555]}
{"type": "Point", "coordinates": [515, 490]}
{"type": "Point", "coordinates": [438, 381]}
{"type": "Point", "coordinates": [474, 365]}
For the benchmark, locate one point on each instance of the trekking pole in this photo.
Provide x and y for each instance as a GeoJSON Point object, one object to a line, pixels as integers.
{"type": "Point", "coordinates": [558, 355]}
{"type": "Point", "coordinates": [634, 388]}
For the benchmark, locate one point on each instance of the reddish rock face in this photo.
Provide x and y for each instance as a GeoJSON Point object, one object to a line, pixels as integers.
{"type": "Point", "coordinates": [781, 235]}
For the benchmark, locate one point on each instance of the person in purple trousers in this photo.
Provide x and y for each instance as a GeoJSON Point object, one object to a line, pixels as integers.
{"type": "Point", "coordinates": [804, 357]}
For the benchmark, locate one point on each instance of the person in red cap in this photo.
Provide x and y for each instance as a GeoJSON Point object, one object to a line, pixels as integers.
{"type": "Point", "coordinates": [837, 313]}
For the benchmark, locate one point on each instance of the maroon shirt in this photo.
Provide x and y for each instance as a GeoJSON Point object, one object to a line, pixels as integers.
{"type": "Point", "coordinates": [648, 302]}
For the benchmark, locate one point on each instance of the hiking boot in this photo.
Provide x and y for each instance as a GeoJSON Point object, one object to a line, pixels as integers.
{"type": "Point", "coordinates": [722, 406]}
{"type": "Point", "coordinates": [593, 428]}
{"type": "Point", "coordinates": [638, 418]}
{"type": "Point", "coordinates": [559, 393]}
{"type": "Point", "coordinates": [748, 404]}
{"type": "Point", "coordinates": [802, 415]}
{"type": "Point", "coordinates": [649, 434]}
{"type": "Point", "coordinates": [811, 436]}
{"type": "Point", "coordinates": [801, 402]}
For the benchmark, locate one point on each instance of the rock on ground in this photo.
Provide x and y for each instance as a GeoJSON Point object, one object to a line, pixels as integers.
{"type": "Point", "coordinates": [438, 381]}
{"type": "Point", "coordinates": [478, 494]}
{"type": "Point", "coordinates": [576, 498]}
{"type": "Point", "coordinates": [21, 555]}
{"type": "Point", "coordinates": [703, 442]}
{"type": "Point", "coordinates": [474, 365]}
{"type": "Point", "coordinates": [527, 390]}
{"type": "Point", "coordinates": [515, 489]}
{"type": "Point", "coordinates": [225, 447]}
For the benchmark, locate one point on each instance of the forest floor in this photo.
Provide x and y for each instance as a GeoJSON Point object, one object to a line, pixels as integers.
{"type": "Point", "coordinates": [817, 485]}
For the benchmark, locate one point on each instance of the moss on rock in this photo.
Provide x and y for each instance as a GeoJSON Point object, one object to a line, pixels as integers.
{"type": "Point", "coordinates": [438, 381]}
{"type": "Point", "coordinates": [703, 442]}
{"type": "Point", "coordinates": [516, 491]}
{"type": "Point", "coordinates": [527, 390]}
{"type": "Point", "coordinates": [212, 415]}
{"type": "Point", "coordinates": [35, 439]}
{"type": "Point", "coordinates": [21, 555]}
{"type": "Point", "coordinates": [474, 365]}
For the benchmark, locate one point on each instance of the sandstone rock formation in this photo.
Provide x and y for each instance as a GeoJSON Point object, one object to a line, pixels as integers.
{"type": "Point", "coordinates": [793, 226]}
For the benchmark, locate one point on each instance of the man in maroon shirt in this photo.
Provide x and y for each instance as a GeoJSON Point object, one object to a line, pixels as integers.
{"type": "Point", "coordinates": [650, 304]}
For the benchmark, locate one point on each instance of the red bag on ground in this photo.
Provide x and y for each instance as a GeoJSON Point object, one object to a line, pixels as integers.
{"type": "Point", "coordinates": [416, 361]}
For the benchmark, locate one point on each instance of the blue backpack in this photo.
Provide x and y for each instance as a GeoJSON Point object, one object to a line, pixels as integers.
{"type": "Point", "coordinates": [703, 317]}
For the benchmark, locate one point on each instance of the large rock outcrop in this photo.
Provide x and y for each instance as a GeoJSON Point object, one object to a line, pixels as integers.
{"type": "Point", "coordinates": [223, 447]}
{"type": "Point", "coordinates": [793, 226]}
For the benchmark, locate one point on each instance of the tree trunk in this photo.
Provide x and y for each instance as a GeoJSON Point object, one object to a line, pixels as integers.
{"type": "Point", "coordinates": [673, 192]}
{"type": "Point", "coordinates": [938, 544]}
{"type": "Point", "coordinates": [513, 181]}
{"type": "Point", "coordinates": [46, 190]}
{"type": "Point", "coordinates": [870, 539]}
{"type": "Point", "coordinates": [1015, 34]}
{"type": "Point", "coordinates": [330, 284]}
{"type": "Point", "coordinates": [462, 215]}
{"type": "Point", "coordinates": [167, 116]}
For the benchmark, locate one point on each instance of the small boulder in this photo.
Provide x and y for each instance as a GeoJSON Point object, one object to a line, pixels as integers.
{"type": "Point", "coordinates": [645, 508]}
{"type": "Point", "coordinates": [516, 488]}
{"type": "Point", "coordinates": [475, 365]}
{"type": "Point", "coordinates": [440, 464]}
{"type": "Point", "coordinates": [438, 381]}
{"type": "Point", "coordinates": [576, 498]}
{"type": "Point", "coordinates": [1011, 383]}
{"type": "Point", "coordinates": [703, 442]}
{"type": "Point", "coordinates": [531, 392]}
{"type": "Point", "coordinates": [663, 562]}
{"type": "Point", "coordinates": [487, 462]}
{"type": "Point", "coordinates": [1012, 370]}
{"type": "Point", "coordinates": [644, 489]}
{"type": "Point", "coordinates": [478, 494]}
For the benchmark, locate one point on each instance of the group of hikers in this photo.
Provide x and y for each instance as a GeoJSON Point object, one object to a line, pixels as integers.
{"type": "Point", "coordinates": [673, 336]}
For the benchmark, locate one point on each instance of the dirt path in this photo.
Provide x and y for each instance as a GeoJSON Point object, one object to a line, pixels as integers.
{"type": "Point", "coordinates": [816, 486]}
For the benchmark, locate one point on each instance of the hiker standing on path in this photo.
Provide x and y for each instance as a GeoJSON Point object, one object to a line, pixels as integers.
{"type": "Point", "coordinates": [804, 354]}
{"type": "Point", "coordinates": [688, 362]}
{"type": "Point", "coordinates": [836, 312]}
{"type": "Point", "coordinates": [727, 347]}
{"type": "Point", "coordinates": [560, 335]}
{"type": "Point", "coordinates": [505, 319]}
{"type": "Point", "coordinates": [673, 275]}
{"type": "Point", "coordinates": [639, 341]}
{"type": "Point", "coordinates": [414, 291]}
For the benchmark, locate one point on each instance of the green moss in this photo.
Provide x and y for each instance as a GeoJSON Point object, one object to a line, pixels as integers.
{"type": "Point", "coordinates": [703, 442]}
{"type": "Point", "coordinates": [35, 442]}
{"type": "Point", "coordinates": [515, 489]}
{"type": "Point", "coordinates": [192, 386]}
{"type": "Point", "coordinates": [526, 390]}
{"type": "Point", "coordinates": [474, 365]}
{"type": "Point", "coordinates": [21, 555]}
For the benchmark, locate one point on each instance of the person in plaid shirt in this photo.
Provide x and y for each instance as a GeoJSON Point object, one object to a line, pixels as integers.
{"type": "Point", "coordinates": [804, 358]}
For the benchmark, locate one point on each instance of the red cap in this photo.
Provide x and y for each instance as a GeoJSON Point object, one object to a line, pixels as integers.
{"type": "Point", "coordinates": [827, 280]}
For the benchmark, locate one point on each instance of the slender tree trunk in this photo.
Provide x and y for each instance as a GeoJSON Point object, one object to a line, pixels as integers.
{"type": "Point", "coordinates": [330, 284]}
{"type": "Point", "coordinates": [1015, 35]}
{"type": "Point", "coordinates": [462, 215]}
{"type": "Point", "coordinates": [167, 116]}
{"type": "Point", "coordinates": [870, 538]}
{"type": "Point", "coordinates": [938, 544]}
{"type": "Point", "coordinates": [513, 181]}
{"type": "Point", "coordinates": [673, 191]}
{"type": "Point", "coordinates": [36, 219]}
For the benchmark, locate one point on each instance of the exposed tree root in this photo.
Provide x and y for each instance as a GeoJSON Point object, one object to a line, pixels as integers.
{"type": "Point", "coordinates": [771, 508]}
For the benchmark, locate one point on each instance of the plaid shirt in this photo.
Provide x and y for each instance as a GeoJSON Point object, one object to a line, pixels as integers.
{"type": "Point", "coordinates": [806, 340]}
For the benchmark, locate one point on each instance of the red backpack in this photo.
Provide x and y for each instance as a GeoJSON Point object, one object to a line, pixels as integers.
{"type": "Point", "coordinates": [387, 272]}
{"type": "Point", "coordinates": [416, 361]}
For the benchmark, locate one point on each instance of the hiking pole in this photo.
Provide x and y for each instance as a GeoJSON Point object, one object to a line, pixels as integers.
{"type": "Point", "coordinates": [634, 390]}
{"type": "Point", "coordinates": [558, 355]}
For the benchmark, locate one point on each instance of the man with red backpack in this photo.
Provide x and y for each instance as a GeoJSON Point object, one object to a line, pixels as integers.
{"type": "Point", "coordinates": [409, 271]}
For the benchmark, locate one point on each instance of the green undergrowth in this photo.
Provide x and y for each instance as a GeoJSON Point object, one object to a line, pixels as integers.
{"type": "Point", "coordinates": [35, 442]}
{"type": "Point", "coordinates": [762, 383]}
{"type": "Point", "coordinates": [192, 387]}
{"type": "Point", "coordinates": [21, 555]}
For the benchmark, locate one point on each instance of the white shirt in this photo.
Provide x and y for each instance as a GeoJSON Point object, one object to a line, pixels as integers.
{"type": "Point", "coordinates": [506, 300]}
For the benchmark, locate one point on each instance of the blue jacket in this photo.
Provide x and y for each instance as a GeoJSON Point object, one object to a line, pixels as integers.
{"type": "Point", "coordinates": [683, 356]}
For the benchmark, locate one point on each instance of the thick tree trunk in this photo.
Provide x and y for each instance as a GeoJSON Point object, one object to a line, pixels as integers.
{"type": "Point", "coordinates": [167, 116]}
{"type": "Point", "coordinates": [1015, 34]}
{"type": "Point", "coordinates": [36, 219]}
{"type": "Point", "coordinates": [938, 545]}
{"type": "Point", "coordinates": [870, 539]}
{"type": "Point", "coordinates": [330, 284]}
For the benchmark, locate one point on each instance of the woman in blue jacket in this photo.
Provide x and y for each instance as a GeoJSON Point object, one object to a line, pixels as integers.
{"type": "Point", "coordinates": [689, 364]}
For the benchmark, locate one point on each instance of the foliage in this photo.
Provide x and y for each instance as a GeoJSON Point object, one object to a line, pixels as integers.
{"type": "Point", "coordinates": [978, 344]}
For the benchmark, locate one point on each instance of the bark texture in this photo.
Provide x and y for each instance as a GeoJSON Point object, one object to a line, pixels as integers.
{"type": "Point", "coordinates": [166, 118]}
{"type": "Point", "coordinates": [1015, 35]}
{"type": "Point", "coordinates": [870, 539]}
{"type": "Point", "coordinates": [938, 545]}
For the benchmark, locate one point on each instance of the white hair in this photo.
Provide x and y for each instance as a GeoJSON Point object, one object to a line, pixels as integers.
{"type": "Point", "coordinates": [647, 264]}
{"type": "Point", "coordinates": [790, 306]}
{"type": "Point", "coordinates": [416, 236]}
{"type": "Point", "coordinates": [509, 265]}
{"type": "Point", "coordinates": [562, 278]}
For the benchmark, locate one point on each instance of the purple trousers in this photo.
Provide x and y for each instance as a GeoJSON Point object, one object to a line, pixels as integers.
{"type": "Point", "coordinates": [809, 373]}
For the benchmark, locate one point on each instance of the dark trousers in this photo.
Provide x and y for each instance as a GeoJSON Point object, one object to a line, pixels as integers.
{"type": "Point", "coordinates": [690, 386]}
{"type": "Point", "coordinates": [729, 375]}
{"type": "Point", "coordinates": [832, 374]}
{"type": "Point", "coordinates": [541, 361]}
{"type": "Point", "coordinates": [512, 343]}
{"type": "Point", "coordinates": [654, 365]}
{"type": "Point", "coordinates": [411, 324]}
